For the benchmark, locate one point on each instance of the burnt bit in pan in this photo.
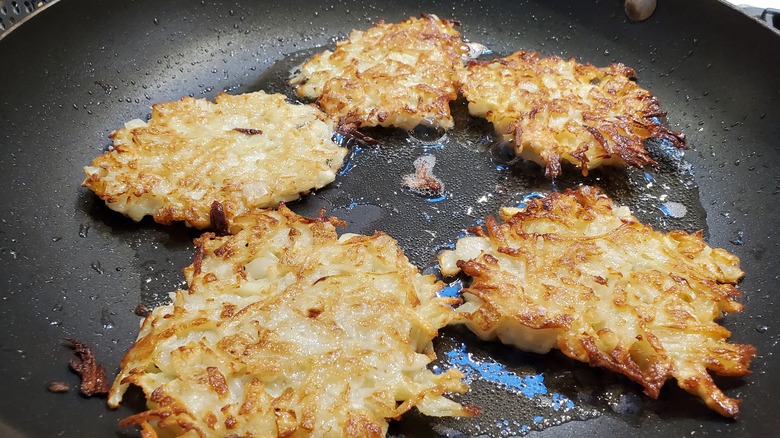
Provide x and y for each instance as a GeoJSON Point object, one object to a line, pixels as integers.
{"type": "Point", "coordinates": [59, 387]}
{"type": "Point", "coordinates": [93, 375]}
{"type": "Point", "coordinates": [423, 181]}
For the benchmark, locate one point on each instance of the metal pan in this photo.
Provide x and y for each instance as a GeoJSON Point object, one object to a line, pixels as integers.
{"type": "Point", "coordinates": [71, 268]}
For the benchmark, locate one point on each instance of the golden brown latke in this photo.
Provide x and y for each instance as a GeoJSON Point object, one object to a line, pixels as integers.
{"type": "Point", "coordinates": [576, 272]}
{"type": "Point", "coordinates": [290, 330]}
{"type": "Point", "coordinates": [245, 151]}
{"type": "Point", "coordinates": [556, 111]}
{"type": "Point", "coordinates": [398, 75]}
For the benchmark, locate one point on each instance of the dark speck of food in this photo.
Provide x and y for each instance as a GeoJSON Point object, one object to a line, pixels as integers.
{"type": "Point", "coordinates": [248, 131]}
{"type": "Point", "coordinates": [93, 375]}
{"type": "Point", "coordinates": [217, 218]}
{"type": "Point", "coordinates": [59, 387]}
{"type": "Point", "coordinates": [141, 310]}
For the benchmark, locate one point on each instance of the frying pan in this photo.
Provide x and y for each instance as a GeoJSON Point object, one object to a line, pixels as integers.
{"type": "Point", "coordinates": [71, 268]}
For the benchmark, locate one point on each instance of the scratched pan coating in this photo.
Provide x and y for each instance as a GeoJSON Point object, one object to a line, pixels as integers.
{"type": "Point", "coordinates": [71, 268]}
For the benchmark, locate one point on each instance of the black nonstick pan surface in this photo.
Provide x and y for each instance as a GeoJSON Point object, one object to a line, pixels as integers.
{"type": "Point", "coordinates": [71, 268]}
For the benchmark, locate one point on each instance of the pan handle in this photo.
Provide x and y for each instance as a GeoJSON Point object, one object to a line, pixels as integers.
{"type": "Point", "coordinates": [771, 17]}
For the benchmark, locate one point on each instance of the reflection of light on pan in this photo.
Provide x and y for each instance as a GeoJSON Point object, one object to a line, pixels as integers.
{"type": "Point", "coordinates": [353, 145]}
{"type": "Point", "coordinates": [427, 137]}
{"type": "Point", "coordinates": [530, 385]}
{"type": "Point", "coordinates": [674, 209]}
{"type": "Point", "coordinates": [650, 179]}
{"type": "Point", "coordinates": [527, 198]}
{"type": "Point", "coordinates": [451, 290]}
{"type": "Point", "coordinates": [551, 409]}
{"type": "Point", "coordinates": [436, 199]}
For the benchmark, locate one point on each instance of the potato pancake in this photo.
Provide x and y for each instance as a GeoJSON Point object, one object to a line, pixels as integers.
{"type": "Point", "coordinates": [287, 330]}
{"type": "Point", "coordinates": [576, 272]}
{"type": "Point", "coordinates": [400, 75]}
{"type": "Point", "coordinates": [245, 151]}
{"type": "Point", "coordinates": [554, 110]}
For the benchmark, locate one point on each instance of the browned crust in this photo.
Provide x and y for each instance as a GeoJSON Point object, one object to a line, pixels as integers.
{"type": "Point", "coordinates": [367, 95]}
{"type": "Point", "coordinates": [617, 115]}
{"type": "Point", "coordinates": [359, 426]}
{"type": "Point", "coordinates": [646, 359]}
